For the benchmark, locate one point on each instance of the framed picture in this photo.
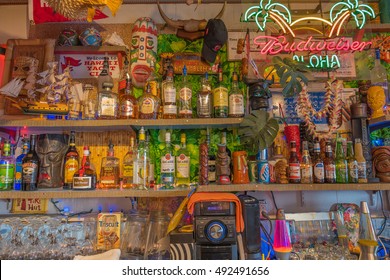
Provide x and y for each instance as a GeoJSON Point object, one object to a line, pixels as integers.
{"type": "Point", "coordinates": [21, 54]}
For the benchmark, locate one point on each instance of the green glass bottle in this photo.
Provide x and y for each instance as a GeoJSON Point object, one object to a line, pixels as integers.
{"type": "Point", "coordinates": [341, 163]}
{"type": "Point", "coordinates": [352, 164]}
{"type": "Point", "coordinates": [183, 164]}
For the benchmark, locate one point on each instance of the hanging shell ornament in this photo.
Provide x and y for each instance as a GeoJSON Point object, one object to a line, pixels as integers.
{"type": "Point", "coordinates": [81, 9]}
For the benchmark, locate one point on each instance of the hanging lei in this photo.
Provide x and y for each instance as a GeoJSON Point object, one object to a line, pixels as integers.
{"type": "Point", "coordinates": [332, 108]}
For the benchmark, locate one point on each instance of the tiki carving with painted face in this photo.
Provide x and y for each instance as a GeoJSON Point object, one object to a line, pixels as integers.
{"type": "Point", "coordinates": [23, 65]}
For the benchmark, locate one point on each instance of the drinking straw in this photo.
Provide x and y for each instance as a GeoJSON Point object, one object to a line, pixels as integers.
{"type": "Point", "coordinates": [282, 113]}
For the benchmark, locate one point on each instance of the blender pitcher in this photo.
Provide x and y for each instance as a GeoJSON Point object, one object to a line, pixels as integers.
{"type": "Point", "coordinates": [157, 241]}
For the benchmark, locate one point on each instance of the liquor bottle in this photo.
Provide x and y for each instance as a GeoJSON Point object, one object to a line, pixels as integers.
{"type": "Point", "coordinates": [318, 165]}
{"type": "Point", "coordinates": [169, 97]}
{"type": "Point", "coordinates": [104, 76]}
{"type": "Point", "coordinates": [378, 74]}
{"type": "Point", "coordinates": [220, 97]}
{"type": "Point", "coordinates": [183, 164]}
{"type": "Point", "coordinates": [263, 175]}
{"type": "Point", "coordinates": [30, 165]}
{"type": "Point", "coordinates": [18, 166]}
{"type": "Point", "coordinates": [71, 162]}
{"type": "Point", "coordinates": [211, 161]}
{"type": "Point", "coordinates": [236, 99]}
{"type": "Point", "coordinates": [7, 168]}
{"type": "Point", "coordinates": [128, 105]}
{"type": "Point", "coordinates": [109, 171]}
{"type": "Point", "coordinates": [278, 156]}
{"type": "Point", "coordinates": [85, 177]}
{"type": "Point", "coordinates": [167, 169]}
{"type": "Point", "coordinates": [306, 165]}
{"type": "Point", "coordinates": [294, 165]}
{"type": "Point", "coordinates": [128, 166]}
{"type": "Point", "coordinates": [329, 165]}
{"type": "Point", "coordinates": [361, 161]}
{"type": "Point", "coordinates": [185, 97]}
{"type": "Point", "coordinates": [108, 102]}
{"type": "Point", "coordinates": [353, 169]}
{"type": "Point", "coordinates": [224, 142]}
{"type": "Point", "coordinates": [155, 87]}
{"type": "Point", "coordinates": [152, 162]}
{"type": "Point", "coordinates": [142, 163]}
{"type": "Point", "coordinates": [149, 104]}
{"type": "Point", "coordinates": [341, 163]}
{"type": "Point", "coordinates": [204, 104]}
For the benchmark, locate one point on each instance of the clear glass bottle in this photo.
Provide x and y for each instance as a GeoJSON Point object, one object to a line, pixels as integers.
{"type": "Point", "coordinates": [353, 169]}
{"type": "Point", "coordinates": [236, 99]}
{"type": "Point", "coordinates": [341, 163]}
{"type": "Point", "coordinates": [142, 163]}
{"type": "Point", "coordinates": [318, 165]}
{"type": "Point", "coordinates": [128, 166]}
{"type": "Point", "coordinates": [149, 104]}
{"type": "Point", "coordinates": [204, 102]}
{"type": "Point", "coordinates": [220, 97]}
{"type": "Point", "coordinates": [109, 171]}
{"type": "Point", "coordinates": [306, 165]}
{"type": "Point", "coordinates": [128, 104]}
{"type": "Point", "coordinates": [362, 164]}
{"type": "Point", "coordinates": [169, 97]}
{"type": "Point", "coordinates": [108, 103]}
{"type": "Point", "coordinates": [167, 169]}
{"type": "Point", "coordinates": [71, 162]}
{"type": "Point", "coordinates": [85, 178]}
{"type": "Point", "coordinates": [378, 74]}
{"type": "Point", "coordinates": [30, 165]}
{"type": "Point", "coordinates": [185, 97]}
{"type": "Point", "coordinates": [7, 168]}
{"type": "Point", "coordinates": [18, 165]}
{"type": "Point", "coordinates": [104, 76]}
{"type": "Point", "coordinates": [329, 165]}
{"type": "Point", "coordinates": [183, 164]}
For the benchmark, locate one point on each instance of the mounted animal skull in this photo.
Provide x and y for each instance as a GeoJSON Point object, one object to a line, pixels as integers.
{"type": "Point", "coordinates": [190, 29]}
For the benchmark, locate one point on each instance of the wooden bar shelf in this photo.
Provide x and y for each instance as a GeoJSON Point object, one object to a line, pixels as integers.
{"type": "Point", "coordinates": [59, 193]}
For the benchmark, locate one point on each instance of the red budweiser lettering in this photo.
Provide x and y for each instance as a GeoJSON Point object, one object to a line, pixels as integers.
{"type": "Point", "coordinates": [280, 44]}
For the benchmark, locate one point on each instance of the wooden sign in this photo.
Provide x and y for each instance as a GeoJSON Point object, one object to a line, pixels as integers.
{"type": "Point", "coordinates": [193, 62]}
{"type": "Point", "coordinates": [29, 205]}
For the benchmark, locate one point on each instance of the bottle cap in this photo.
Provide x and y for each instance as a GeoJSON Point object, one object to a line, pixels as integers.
{"type": "Point", "coordinates": [141, 134]}
{"type": "Point", "coordinates": [86, 151]}
{"type": "Point", "coordinates": [167, 136]}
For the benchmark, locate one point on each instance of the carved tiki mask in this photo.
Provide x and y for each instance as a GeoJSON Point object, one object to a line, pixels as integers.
{"type": "Point", "coordinates": [143, 50]}
{"type": "Point", "coordinates": [23, 65]}
{"type": "Point", "coordinates": [51, 149]}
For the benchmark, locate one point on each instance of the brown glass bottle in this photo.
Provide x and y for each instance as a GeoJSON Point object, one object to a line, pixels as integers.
{"type": "Point", "coordinates": [128, 105]}
{"type": "Point", "coordinates": [329, 165]}
{"type": "Point", "coordinates": [85, 177]}
{"type": "Point", "coordinates": [30, 166]}
{"type": "Point", "coordinates": [71, 163]}
{"type": "Point", "coordinates": [294, 167]}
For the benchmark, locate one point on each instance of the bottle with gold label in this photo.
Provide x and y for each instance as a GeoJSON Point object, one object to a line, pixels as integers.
{"type": "Point", "coordinates": [71, 162]}
{"type": "Point", "coordinates": [109, 172]}
{"type": "Point", "coordinates": [183, 164]}
{"type": "Point", "coordinates": [128, 105]}
{"type": "Point", "coordinates": [169, 96]}
{"type": "Point", "coordinates": [128, 166]}
{"type": "Point", "coordinates": [155, 88]}
{"type": "Point", "coordinates": [185, 97]}
{"type": "Point", "coordinates": [220, 97]}
{"type": "Point", "coordinates": [85, 177]}
{"type": "Point", "coordinates": [236, 99]}
{"type": "Point", "coordinates": [108, 103]}
{"type": "Point", "coordinates": [306, 165]}
{"type": "Point", "coordinates": [149, 104]}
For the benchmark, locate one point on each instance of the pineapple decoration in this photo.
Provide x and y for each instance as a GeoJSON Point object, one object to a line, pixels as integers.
{"type": "Point", "coordinates": [81, 9]}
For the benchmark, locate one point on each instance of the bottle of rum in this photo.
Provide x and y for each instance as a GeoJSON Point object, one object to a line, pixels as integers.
{"type": "Point", "coordinates": [149, 104]}
{"type": "Point", "coordinates": [341, 163]}
{"type": "Point", "coordinates": [142, 163]}
{"type": "Point", "coordinates": [204, 104]}
{"type": "Point", "coordinates": [18, 166]}
{"type": "Point", "coordinates": [185, 97]}
{"type": "Point", "coordinates": [155, 87]}
{"type": "Point", "coordinates": [7, 168]}
{"type": "Point", "coordinates": [361, 161]}
{"type": "Point", "coordinates": [329, 165]}
{"type": "Point", "coordinates": [30, 165]}
{"type": "Point", "coordinates": [128, 166]}
{"type": "Point", "coordinates": [128, 105]}
{"type": "Point", "coordinates": [353, 169]}
{"type": "Point", "coordinates": [318, 165]}
{"type": "Point", "coordinates": [108, 103]}
{"type": "Point", "coordinates": [85, 177]}
{"type": "Point", "coordinates": [294, 168]}
{"type": "Point", "coordinates": [306, 165]}
{"type": "Point", "coordinates": [109, 171]}
{"type": "Point", "coordinates": [220, 97]}
{"type": "Point", "coordinates": [152, 162]}
{"type": "Point", "coordinates": [167, 169]}
{"type": "Point", "coordinates": [236, 99]}
{"type": "Point", "coordinates": [104, 76]}
{"type": "Point", "coordinates": [183, 164]}
{"type": "Point", "coordinates": [71, 162]}
{"type": "Point", "coordinates": [169, 97]}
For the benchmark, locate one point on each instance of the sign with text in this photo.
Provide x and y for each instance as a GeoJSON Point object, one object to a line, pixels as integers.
{"type": "Point", "coordinates": [254, 49]}
{"type": "Point", "coordinates": [29, 205]}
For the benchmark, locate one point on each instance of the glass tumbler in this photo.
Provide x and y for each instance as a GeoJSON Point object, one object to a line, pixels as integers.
{"type": "Point", "coordinates": [157, 240]}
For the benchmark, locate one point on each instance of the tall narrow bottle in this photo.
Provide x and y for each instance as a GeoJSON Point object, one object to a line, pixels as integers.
{"type": "Point", "coordinates": [306, 165]}
{"type": "Point", "coordinates": [169, 97]}
{"type": "Point", "coordinates": [167, 169]}
{"type": "Point", "coordinates": [128, 166]}
{"type": "Point", "coordinates": [353, 169]}
{"type": "Point", "coordinates": [318, 165]}
{"type": "Point", "coordinates": [204, 163]}
{"type": "Point", "coordinates": [142, 163]}
{"type": "Point", "coordinates": [185, 97]}
{"type": "Point", "coordinates": [30, 166]}
{"type": "Point", "coordinates": [211, 161]}
{"type": "Point", "coordinates": [362, 164]}
{"type": "Point", "coordinates": [104, 76]}
{"type": "Point", "coordinates": [378, 74]}
{"type": "Point", "coordinates": [109, 171]}
{"type": "Point", "coordinates": [71, 160]}
{"type": "Point", "coordinates": [152, 162]}
{"type": "Point", "coordinates": [85, 178]}
{"type": "Point", "coordinates": [128, 104]}
{"type": "Point", "coordinates": [204, 104]}
{"type": "Point", "coordinates": [329, 165]}
{"type": "Point", "coordinates": [341, 163]}
{"type": "Point", "coordinates": [7, 168]}
{"type": "Point", "coordinates": [183, 164]}
{"type": "Point", "coordinates": [294, 168]}
{"type": "Point", "coordinates": [236, 99]}
{"type": "Point", "coordinates": [18, 166]}
{"type": "Point", "coordinates": [220, 97]}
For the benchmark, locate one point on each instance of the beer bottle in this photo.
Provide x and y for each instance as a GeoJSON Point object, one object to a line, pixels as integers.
{"type": "Point", "coordinates": [306, 165]}
{"type": "Point", "coordinates": [318, 165]}
{"type": "Point", "coordinates": [294, 164]}
{"type": "Point", "coordinates": [341, 163]}
{"type": "Point", "coordinates": [329, 165]}
{"type": "Point", "coordinates": [362, 165]}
